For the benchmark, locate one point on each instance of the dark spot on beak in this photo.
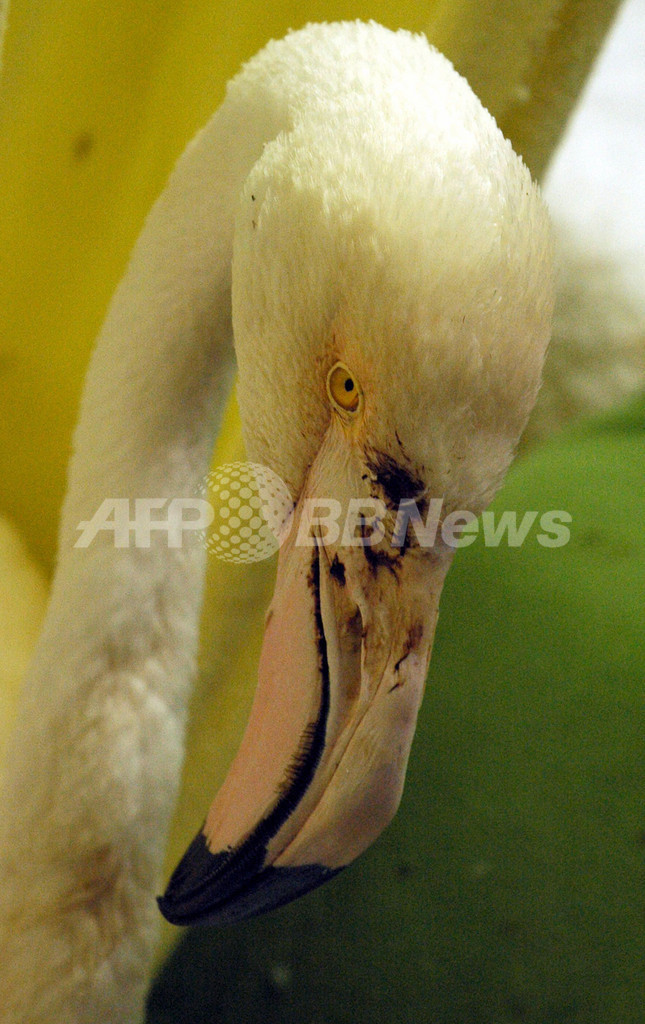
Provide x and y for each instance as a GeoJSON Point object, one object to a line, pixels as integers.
{"type": "Point", "coordinates": [377, 557]}
{"type": "Point", "coordinates": [401, 445]}
{"type": "Point", "coordinates": [415, 633]}
{"type": "Point", "coordinates": [337, 571]}
{"type": "Point", "coordinates": [395, 480]}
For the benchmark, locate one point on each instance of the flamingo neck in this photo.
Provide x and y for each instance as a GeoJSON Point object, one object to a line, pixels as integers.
{"type": "Point", "coordinates": [96, 757]}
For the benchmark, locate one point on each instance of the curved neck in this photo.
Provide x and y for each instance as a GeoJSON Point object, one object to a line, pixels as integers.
{"type": "Point", "coordinates": [96, 757]}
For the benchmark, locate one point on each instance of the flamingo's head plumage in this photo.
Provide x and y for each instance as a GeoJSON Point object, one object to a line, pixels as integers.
{"type": "Point", "coordinates": [392, 296]}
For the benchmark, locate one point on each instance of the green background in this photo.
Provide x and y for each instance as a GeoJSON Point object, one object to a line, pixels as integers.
{"type": "Point", "coordinates": [510, 886]}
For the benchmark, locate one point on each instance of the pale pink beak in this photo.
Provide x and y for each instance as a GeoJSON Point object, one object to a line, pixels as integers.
{"type": "Point", "coordinates": [321, 767]}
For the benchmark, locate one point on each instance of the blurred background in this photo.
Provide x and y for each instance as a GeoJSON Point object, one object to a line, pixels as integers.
{"type": "Point", "coordinates": [595, 187]}
{"type": "Point", "coordinates": [510, 887]}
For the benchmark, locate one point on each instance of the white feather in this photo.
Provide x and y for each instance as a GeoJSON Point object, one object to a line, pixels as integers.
{"type": "Point", "coordinates": [386, 216]}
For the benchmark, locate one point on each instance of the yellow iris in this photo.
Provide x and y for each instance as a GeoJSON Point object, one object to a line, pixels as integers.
{"type": "Point", "coordinates": [343, 389]}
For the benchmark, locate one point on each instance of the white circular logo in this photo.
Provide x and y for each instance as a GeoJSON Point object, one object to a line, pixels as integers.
{"type": "Point", "coordinates": [252, 512]}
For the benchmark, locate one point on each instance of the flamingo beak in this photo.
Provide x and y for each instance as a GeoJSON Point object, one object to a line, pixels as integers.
{"type": "Point", "coordinates": [320, 770]}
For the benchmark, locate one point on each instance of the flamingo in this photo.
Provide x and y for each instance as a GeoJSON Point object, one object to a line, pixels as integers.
{"type": "Point", "coordinates": [354, 231]}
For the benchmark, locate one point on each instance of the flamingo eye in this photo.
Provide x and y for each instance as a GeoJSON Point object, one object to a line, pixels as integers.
{"type": "Point", "coordinates": [343, 390]}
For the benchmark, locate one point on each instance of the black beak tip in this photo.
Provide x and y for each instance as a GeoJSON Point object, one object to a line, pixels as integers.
{"type": "Point", "coordinates": [221, 888]}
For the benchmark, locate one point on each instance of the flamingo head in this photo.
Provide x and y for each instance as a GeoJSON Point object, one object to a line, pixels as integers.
{"type": "Point", "coordinates": [392, 297]}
